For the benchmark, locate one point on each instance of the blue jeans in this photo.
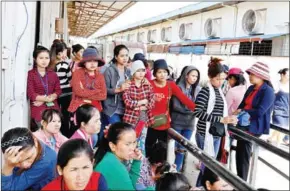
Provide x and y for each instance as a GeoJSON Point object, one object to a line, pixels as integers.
{"type": "Point", "coordinates": [115, 118]}
{"type": "Point", "coordinates": [179, 150]}
{"type": "Point", "coordinates": [200, 142]}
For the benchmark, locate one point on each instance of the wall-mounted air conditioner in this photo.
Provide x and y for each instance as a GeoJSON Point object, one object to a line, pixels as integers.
{"type": "Point", "coordinates": [212, 28]}
{"type": "Point", "coordinates": [151, 36]}
{"type": "Point", "coordinates": [254, 21]}
{"type": "Point", "coordinates": [166, 34]}
{"type": "Point", "coordinates": [185, 31]}
{"type": "Point", "coordinates": [141, 37]}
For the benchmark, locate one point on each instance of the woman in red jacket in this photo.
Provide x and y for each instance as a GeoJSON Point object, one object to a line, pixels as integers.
{"type": "Point", "coordinates": [43, 86]}
{"type": "Point", "coordinates": [163, 90]}
{"type": "Point", "coordinates": [75, 167]}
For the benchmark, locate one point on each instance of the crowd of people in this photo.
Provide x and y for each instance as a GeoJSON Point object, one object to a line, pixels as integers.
{"type": "Point", "coordinates": [103, 126]}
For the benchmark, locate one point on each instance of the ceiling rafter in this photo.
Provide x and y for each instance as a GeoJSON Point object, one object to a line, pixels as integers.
{"type": "Point", "coordinates": [85, 18]}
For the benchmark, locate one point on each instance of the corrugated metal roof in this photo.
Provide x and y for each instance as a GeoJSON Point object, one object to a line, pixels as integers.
{"type": "Point", "coordinates": [86, 17]}
{"type": "Point", "coordinates": [181, 12]}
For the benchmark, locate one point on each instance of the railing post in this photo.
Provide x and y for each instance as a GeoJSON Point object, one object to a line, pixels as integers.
{"type": "Point", "coordinates": [254, 164]}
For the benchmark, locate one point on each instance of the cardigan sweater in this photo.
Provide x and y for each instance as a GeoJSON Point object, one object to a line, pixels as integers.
{"type": "Point", "coordinates": [116, 173]}
{"type": "Point", "coordinates": [261, 108]}
{"type": "Point", "coordinates": [83, 94]}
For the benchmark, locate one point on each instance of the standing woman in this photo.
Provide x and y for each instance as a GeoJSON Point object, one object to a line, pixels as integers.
{"type": "Point", "coordinates": [211, 110]}
{"type": "Point", "coordinates": [88, 84]}
{"type": "Point", "coordinates": [75, 167]}
{"type": "Point", "coordinates": [43, 86]}
{"type": "Point", "coordinates": [64, 74]}
{"type": "Point", "coordinates": [28, 163]}
{"type": "Point", "coordinates": [257, 102]}
{"type": "Point", "coordinates": [183, 120]}
{"type": "Point", "coordinates": [163, 91]}
{"type": "Point", "coordinates": [117, 81]}
{"type": "Point", "coordinates": [77, 52]}
{"type": "Point", "coordinates": [280, 115]}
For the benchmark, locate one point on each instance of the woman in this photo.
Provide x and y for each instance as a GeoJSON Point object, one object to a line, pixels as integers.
{"type": "Point", "coordinates": [210, 181]}
{"type": "Point", "coordinates": [77, 52]}
{"type": "Point", "coordinates": [28, 163]}
{"type": "Point", "coordinates": [75, 167]}
{"type": "Point", "coordinates": [88, 84]}
{"type": "Point", "coordinates": [211, 109]}
{"type": "Point", "coordinates": [183, 120]}
{"type": "Point", "coordinates": [141, 57]}
{"type": "Point", "coordinates": [172, 181]}
{"type": "Point", "coordinates": [116, 148]}
{"type": "Point", "coordinates": [50, 129]}
{"type": "Point", "coordinates": [257, 102]}
{"type": "Point", "coordinates": [280, 115]}
{"type": "Point", "coordinates": [88, 124]}
{"type": "Point", "coordinates": [139, 101]}
{"type": "Point", "coordinates": [163, 91]}
{"type": "Point", "coordinates": [117, 81]}
{"type": "Point", "coordinates": [237, 90]}
{"type": "Point", "coordinates": [61, 67]}
{"type": "Point", "coordinates": [43, 86]}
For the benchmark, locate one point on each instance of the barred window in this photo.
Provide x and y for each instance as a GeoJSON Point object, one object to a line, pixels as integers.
{"type": "Point", "coordinates": [263, 48]}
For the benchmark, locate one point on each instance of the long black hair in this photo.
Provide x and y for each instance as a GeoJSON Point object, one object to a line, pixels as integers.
{"type": "Point", "coordinates": [84, 113]}
{"type": "Point", "coordinates": [113, 135]}
{"type": "Point", "coordinates": [117, 50]}
{"type": "Point", "coordinates": [240, 79]}
{"type": "Point", "coordinates": [73, 148]}
{"type": "Point", "coordinates": [172, 181]}
{"type": "Point", "coordinates": [210, 176]}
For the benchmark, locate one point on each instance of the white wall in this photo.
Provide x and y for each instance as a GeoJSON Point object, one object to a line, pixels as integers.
{"type": "Point", "coordinates": [231, 23]}
{"type": "Point", "coordinates": [14, 69]}
{"type": "Point", "coordinates": [49, 12]}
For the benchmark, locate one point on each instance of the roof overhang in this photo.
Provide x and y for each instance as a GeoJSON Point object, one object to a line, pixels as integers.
{"type": "Point", "coordinates": [87, 17]}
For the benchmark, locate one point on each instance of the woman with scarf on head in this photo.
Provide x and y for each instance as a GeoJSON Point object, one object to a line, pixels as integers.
{"type": "Point", "coordinates": [183, 119]}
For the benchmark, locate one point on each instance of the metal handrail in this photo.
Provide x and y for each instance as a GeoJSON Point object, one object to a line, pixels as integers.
{"type": "Point", "coordinates": [280, 129]}
{"type": "Point", "coordinates": [260, 142]}
{"type": "Point", "coordinates": [210, 162]}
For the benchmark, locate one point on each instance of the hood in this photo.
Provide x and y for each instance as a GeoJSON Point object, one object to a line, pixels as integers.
{"type": "Point", "coordinates": [182, 79]}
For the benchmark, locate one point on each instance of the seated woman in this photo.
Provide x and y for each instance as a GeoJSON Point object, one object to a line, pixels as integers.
{"type": "Point", "coordinates": [153, 166]}
{"type": "Point", "coordinates": [75, 167]}
{"type": "Point", "coordinates": [119, 146]}
{"type": "Point", "coordinates": [88, 124]}
{"type": "Point", "coordinates": [28, 163]}
{"type": "Point", "coordinates": [50, 129]}
{"type": "Point", "coordinates": [172, 181]}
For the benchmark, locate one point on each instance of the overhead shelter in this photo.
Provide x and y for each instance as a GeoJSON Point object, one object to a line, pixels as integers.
{"type": "Point", "coordinates": [87, 17]}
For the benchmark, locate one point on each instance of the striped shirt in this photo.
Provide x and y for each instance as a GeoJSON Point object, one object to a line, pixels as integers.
{"type": "Point", "coordinates": [201, 109]}
{"type": "Point", "coordinates": [64, 75]}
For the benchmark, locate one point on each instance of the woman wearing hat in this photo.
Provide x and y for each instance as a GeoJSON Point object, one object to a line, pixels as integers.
{"type": "Point", "coordinates": [88, 84]}
{"type": "Point", "coordinates": [163, 91]}
{"type": "Point", "coordinates": [257, 102]}
{"type": "Point", "coordinates": [139, 101]}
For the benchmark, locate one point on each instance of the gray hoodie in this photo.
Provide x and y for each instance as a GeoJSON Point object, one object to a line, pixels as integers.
{"type": "Point", "coordinates": [110, 105]}
{"type": "Point", "coordinates": [181, 116]}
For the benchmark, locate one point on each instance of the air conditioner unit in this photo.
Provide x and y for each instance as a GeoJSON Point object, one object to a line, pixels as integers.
{"type": "Point", "coordinates": [254, 21]}
{"type": "Point", "coordinates": [151, 36]}
{"type": "Point", "coordinates": [140, 37]}
{"type": "Point", "coordinates": [185, 31]}
{"type": "Point", "coordinates": [166, 34]}
{"type": "Point", "coordinates": [212, 28]}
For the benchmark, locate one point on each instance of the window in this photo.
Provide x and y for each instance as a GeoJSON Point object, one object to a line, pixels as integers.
{"type": "Point", "coordinates": [263, 48]}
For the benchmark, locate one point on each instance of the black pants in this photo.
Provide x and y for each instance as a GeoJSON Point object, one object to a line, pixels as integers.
{"type": "Point", "coordinates": [243, 156]}
{"type": "Point", "coordinates": [152, 137]}
{"type": "Point", "coordinates": [64, 103]}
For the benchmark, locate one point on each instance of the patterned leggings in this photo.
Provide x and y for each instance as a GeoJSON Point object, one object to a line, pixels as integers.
{"type": "Point", "coordinates": [141, 141]}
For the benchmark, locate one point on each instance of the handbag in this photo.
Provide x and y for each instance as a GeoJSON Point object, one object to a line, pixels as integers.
{"type": "Point", "coordinates": [217, 129]}
{"type": "Point", "coordinates": [162, 119]}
